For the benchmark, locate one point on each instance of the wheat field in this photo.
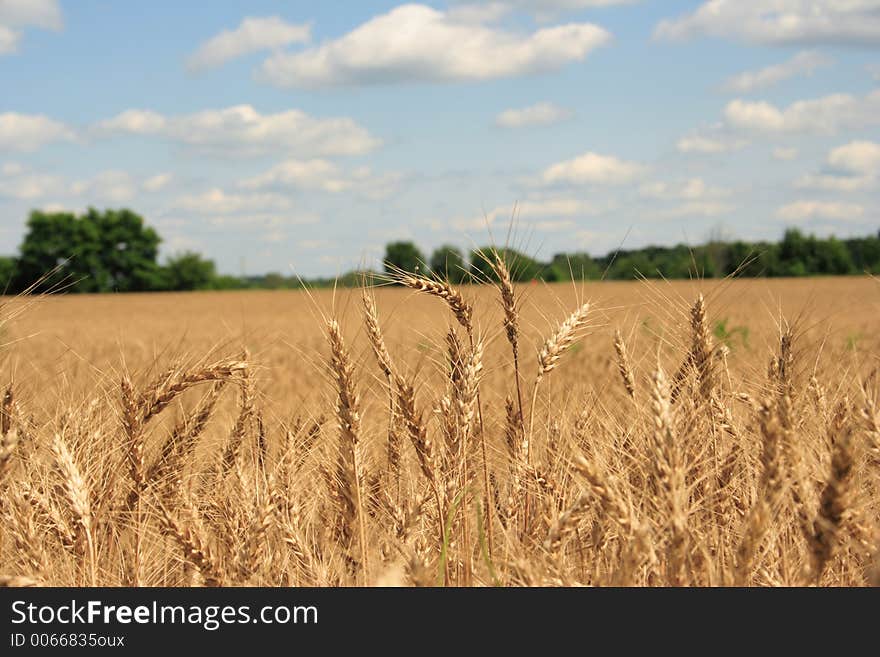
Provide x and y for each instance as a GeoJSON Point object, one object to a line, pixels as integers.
{"type": "Point", "coordinates": [654, 433]}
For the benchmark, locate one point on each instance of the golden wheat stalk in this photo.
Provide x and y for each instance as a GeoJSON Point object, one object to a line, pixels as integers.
{"type": "Point", "coordinates": [78, 497]}
{"type": "Point", "coordinates": [348, 416]}
{"type": "Point", "coordinates": [624, 366]}
{"type": "Point", "coordinates": [670, 474]}
{"type": "Point", "coordinates": [460, 308]}
{"type": "Point", "coordinates": [771, 492]}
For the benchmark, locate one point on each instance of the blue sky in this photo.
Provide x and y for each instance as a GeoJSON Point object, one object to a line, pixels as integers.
{"type": "Point", "coordinates": [295, 136]}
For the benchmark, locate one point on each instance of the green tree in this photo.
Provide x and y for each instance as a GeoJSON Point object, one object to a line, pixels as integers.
{"type": "Point", "coordinates": [574, 266]}
{"type": "Point", "coordinates": [274, 281]}
{"type": "Point", "coordinates": [96, 252]}
{"type": "Point", "coordinates": [7, 273]}
{"type": "Point", "coordinates": [522, 268]}
{"type": "Point", "coordinates": [403, 256]}
{"type": "Point", "coordinates": [832, 257]}
{"type": "Point", "coordinates": [189, 271]}
{"type": "Point", "coordinates": [447, 262]}
{"type": "Point", "coordinates": [226, 282]}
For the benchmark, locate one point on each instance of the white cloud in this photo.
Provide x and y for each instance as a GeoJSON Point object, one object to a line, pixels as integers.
{"type": "Point", "coordinates": [11, 168]}
{"type": "Point", "coordinates": [851, 167]}
{"type": "Point", "coordinates": [560, 5]}
{"type": "Point", "coordinates": [28, 132]}
{"type": "Point", "coordinates": [541, 208]}
{"type": "Point", "coordinates": [709, 145]}
{"type": "Point", "coordinates": [592, 168]}
{"type": "Point", "coordinates": [157, 182]}
{"type": "Point", "coordinates": [325, 176]}
{"type": "Point", "coordinates": [244, 131]}
{"type": "Point", "coordinates": [45, 14]}
{"type": "Point", "coordinates": [218, 202]}
{"type": "Point", "coordinates": [415, 43]}
{"type": "Point", "coordinates": [840, 22]}
{"type": "Point", "coordinates": [695, 198]}
{"type": "Point", "coordinates": [545, 215]}
{"type": "Point", "coordinates": [115, 186]}
{"type": "Point", "coordinates": [805, 210]}
{"type": "Point", "coordinates": [36, 13]}
{"type": "Point", "coordinates": [874, 71]}
{"type": "Point", "coordinates": [8, 40]}
{"type": "Point", "coordinates": [803, 63]}
{"type": "Point", "coordinates": [695, 209]}
{"type": "Point", "coordinates": [694, 189]}
{"type": "Point", "coordinates": [542, 9]}
{"type": "Point", "coordinates": [133, 121]}
{"type": "Point", "coordinates": [252, 35]}
{"type": "Point", "coordinates": [785, 153]}
{"type": "Point", "coordinates": [112, 185]}
{"type": "Point", "coordinates": [17, 182]}
{"type": "Point", "coordinates": [312, 244]}
{"type": "Point", "coordinates": [539, 114]}
{"type": "Point", "coordinates": [833, 183]}
{"type": "Point", "coordinates": [859, 157]}
{"type": "Point", "coordinates": [826, 116]}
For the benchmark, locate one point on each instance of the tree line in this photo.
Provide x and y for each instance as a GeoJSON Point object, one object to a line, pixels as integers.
{"type": "Point", "coordinates": [116, 251]}
{"type": "Point", "coordinates": [796, 254]}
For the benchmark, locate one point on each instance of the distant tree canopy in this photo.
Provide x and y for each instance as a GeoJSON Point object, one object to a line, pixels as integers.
{"type": "Point", "coordinates": [520, 266]}
{"type": "Point", "coordinates": [797, 254]}
{"type": "Point", "coordinates": [447, 262]}
{"type": "Point", "coordinates": [189, 271]}
{"type": "Point", "coordinates": [115, 251]}
{"type": "Point", "coordinates": [99, 251]}
{"type": "Point", "coordinates": [403, 256]}
{"type": "Point", "coordinates": [94, 252]}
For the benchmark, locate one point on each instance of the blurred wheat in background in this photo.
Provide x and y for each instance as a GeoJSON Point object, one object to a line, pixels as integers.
{"type": "Point", "coordinates": [637, 434]}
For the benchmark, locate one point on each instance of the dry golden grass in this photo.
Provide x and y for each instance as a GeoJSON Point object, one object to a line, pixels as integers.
{"type": "Point", "coordinates": [688, 433]}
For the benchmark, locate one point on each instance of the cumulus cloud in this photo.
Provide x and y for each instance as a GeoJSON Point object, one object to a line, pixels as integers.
{"type": "Point", "coordinates": [542, 9]}
{"type": "Point", "coordinates": [543, 214]}
{"type": "Point", "coordinates": [157, 182]}
{"type": "Point", "coordinates": [694, 189]}
{"type": "Point", "coordinates": [252, 35]}
{"type": "Point", "coordinates": [848, 168]}
{"type": "Point", "coordinates": [780, 22]}
{"type": "Point", "coordinates": [858, 157]}
{"type": "Point", "coordinates": [561, 5]}
{"type": "Point", "coordinates": [8, 40]}
{"type": "Point", "coordinates": [785, 153]}
{"type": "Point", "coordinates": [538, 114]}
{"type": "Point", "coordinates": [806, 210]}
{"type": "Point", "coordinates": [36, 13]}
{"type": "Point", "coordinates": [803, 63]}
{"type": "Point", "coordinates": [216, 201]}
{"type": "Point", "coordinates": [133, 121]}
{"type": "Point", "coordinates": [45, 14]}
{"type": "Point", "coordinates": [542, 208]}
{"type": "Point", "coordinates": [28, 132]}
{"type": "Point", "coordinates": [20, 183]}
{"type": "Point", "coordinates": [709, 144]}
{"type": "Point", "coordinates": [592, 168]}
{"type": "Point", "coordinates": [694, 197]}
{"type": "Point", "coordinates": [111, 185]}
{"type": "Point", "coordinates": [11, 168]}
{"type": "Point", "coordinates": [325, 176]}
{"type": "Point", "coordinates": [243, 130]}
{"type": "Point", "coordinates": [826, 116]}
{"type": "Point", "coordinates": [416, 43]}
{"type": "Point", "coordinates": [695, 209]}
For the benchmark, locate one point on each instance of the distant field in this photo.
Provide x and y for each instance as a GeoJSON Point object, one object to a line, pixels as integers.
{"type": "Point", "coordinates": [70, 343]}
{"type": "Point", "coordinates": [66, 357]}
